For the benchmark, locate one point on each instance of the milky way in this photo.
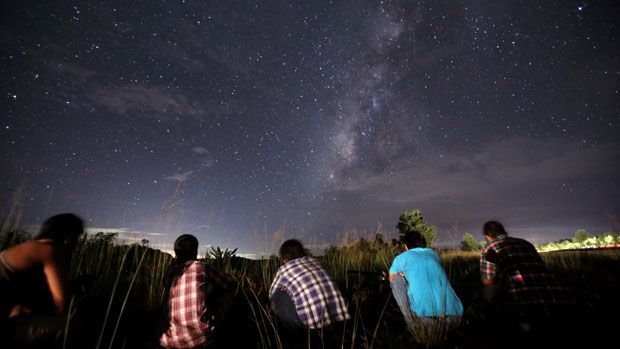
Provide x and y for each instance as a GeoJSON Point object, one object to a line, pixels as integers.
{"type": "Point", "coordinates": [248, 120]}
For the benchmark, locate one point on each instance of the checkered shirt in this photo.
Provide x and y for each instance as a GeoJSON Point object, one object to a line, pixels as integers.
{"type": "Point", "coordinates": [317, 299]}
{"type": "Point", "coordinates": [527, 287]}
{"type": "Point", "coordinates": [190, 322]}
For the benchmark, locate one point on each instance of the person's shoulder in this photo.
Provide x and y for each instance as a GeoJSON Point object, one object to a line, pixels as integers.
{"type": "Point", "coordinates": [407, 255]}
{"type": "Point", "coordinates": [193, 266]}
{"type": "Point", "coordinates": [515, 241]}
{"type": "Point", "coordinates": [493, 247]}
{"type": "Point", "coordinates": [37, 251]}
{"type": "Point", "coordinates": [303, 260]}
{"type": "Point", "coordinates": [524, 244]}
{"type": "Point", "coordinates": [426, 253]}
{"type": "Point", "coordinates": [301, 264]}
{"type": "Point", "coordinates": [420, 251]}
{"type": "Point", "coordinates": [44, 248]}
{"type": "Point", "coordinates": [498, 243]}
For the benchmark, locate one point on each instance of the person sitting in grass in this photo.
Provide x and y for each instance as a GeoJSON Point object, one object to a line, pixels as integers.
{"type": "Point", "coordinates": [517, 283]}
{"type": "Point", "coordinates": [34, 287]}
{"type": "Point", "coordinates": [302, 295]}
{"type": "Point", "coordinates": [420, 286]}
{"type": "Point", "coordinates": [198, 298]}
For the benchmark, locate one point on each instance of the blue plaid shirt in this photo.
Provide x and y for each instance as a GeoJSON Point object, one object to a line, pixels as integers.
{"type": "Point", "coordinates": [317, 299]}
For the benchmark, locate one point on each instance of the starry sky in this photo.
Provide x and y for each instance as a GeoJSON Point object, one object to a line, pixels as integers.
{"type": "Point", "coordinates": [248, 122]}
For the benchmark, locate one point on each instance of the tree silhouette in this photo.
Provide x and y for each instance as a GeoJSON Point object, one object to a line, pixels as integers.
{"type": "Point", "coordinates": [413, 221]}
{"type": "Point", "coordinates": [469, 243]}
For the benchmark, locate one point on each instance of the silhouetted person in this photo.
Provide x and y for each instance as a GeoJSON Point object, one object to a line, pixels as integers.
{"type": "Point", "coordinates": [198, 298]}
{"type": "Point", "coordinates": [303, 296]}
{"type": "Point", "coordinates": [34, 288]}
{"type": "Point", "coordinates": [420, 286]}
{"type": "Point", "coordinates": [525, 296]}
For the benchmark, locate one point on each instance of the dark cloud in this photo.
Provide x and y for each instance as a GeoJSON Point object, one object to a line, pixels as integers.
{"type": "Point", "coordinates": [532, 184]}
{"type": "Point", "coordinates": [146, 100]}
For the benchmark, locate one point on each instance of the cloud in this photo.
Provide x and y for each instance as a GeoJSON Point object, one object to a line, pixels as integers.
{"type": "Point", "coordinates": [551, 184]}
{"type": "Point", "coordinates": [73, 70]}
{"type": "Point", "coordinates": [207, 163]}
{"type": "Point", "coordinates": [156, 100]}
{"type": "Point", "coordinates": [180, 177]}
{"type": "Point", "coordinates": [203, 157]}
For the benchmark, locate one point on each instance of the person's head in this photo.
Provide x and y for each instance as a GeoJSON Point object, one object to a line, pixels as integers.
{"type": "Point", "coordinates": [64, 228]}
{"type": "Point", "coordinates": [492, 230]}
{"type": "Point", "coordinates": [291, 249]}
{"type": "Point", "coordinates": [413, 239]}
{"type": "Point", "coordinates": [186, 247]}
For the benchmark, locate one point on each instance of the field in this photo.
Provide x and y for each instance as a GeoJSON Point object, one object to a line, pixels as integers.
{"type": "Point", "coordinates": [119, 296]}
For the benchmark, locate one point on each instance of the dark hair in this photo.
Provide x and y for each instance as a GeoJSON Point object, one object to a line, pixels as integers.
{"type": "Point", "coordinates": [413, 239]}
{"type": "Point", "coordinates": [292, 249]}
{"type": "Point", "coordinates": [493, 229]}
{"type": "Point", "coordinates": [186, 247]}
{"type": "Point", "coordinates": [62, 226]}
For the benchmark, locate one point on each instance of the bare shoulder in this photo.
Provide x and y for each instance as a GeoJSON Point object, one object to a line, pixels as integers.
{"type": "Point", "coordinates": [32, 253]}
{"type": "Point", "coordinates": [49, 251]}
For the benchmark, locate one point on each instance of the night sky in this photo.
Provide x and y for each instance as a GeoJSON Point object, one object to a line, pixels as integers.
{"type": "Point", "coordinates": [247, 122]}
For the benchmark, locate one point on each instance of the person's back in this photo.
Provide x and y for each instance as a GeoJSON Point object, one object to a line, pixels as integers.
{"type": "Point", "coordinates": [34, 287]}
{"type": "Point", "coordinates": [191, 313]}
{"type": "Point", "coordinates": [317, 299]}
{"type": "Point", "coordinates": [527, 287]}
{"type": "Point", "coordinates": [186, 307]}
{"type": "Point", "coordinates": [23, 286]}
{"type": "Point", "coordinates": [429, 290]}
{"type": "Point", "coordinates": [303, 296]}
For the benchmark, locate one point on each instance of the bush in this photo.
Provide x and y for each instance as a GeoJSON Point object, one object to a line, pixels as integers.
{"type": "Point", "coordinates": [469, 243]}
{"type": "Point", "coordinates": [413, 221]}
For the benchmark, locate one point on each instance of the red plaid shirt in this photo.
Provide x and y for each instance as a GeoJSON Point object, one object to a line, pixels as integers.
{"type": "Point", "coordinates": [190, 321]}
{"type": "Point", "coordinates": [527, 286]}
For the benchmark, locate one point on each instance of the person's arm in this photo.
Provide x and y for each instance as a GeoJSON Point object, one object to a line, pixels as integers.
{"type": "Point", "coordinates": [395, 269]}
{"type": "Point", "coordinates": [276, 284]}
{"type": "Point", "coordinates": [487, 282]}
{"type": "Point", "coordinates": [56, 273]}
{"type": "Point", "coordinates": [487, 268]}
{"type": "Point", "coordinates": [392, 276]}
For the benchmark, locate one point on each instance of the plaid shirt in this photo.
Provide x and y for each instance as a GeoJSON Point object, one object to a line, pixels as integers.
{"type": "Point", "coordinates": [527, 287]}
{"type": "Point", "coordinates": [317, 299]}
{"type": "Point", "coordinates": [190, 321]}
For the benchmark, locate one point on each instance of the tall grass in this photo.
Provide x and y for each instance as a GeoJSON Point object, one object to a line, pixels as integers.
{"type": "Point", "coordinates": [118, 279]}
{"type": "Point", "coordinates": [125, 298]}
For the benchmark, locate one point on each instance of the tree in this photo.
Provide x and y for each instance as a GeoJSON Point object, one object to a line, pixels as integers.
{"type": "Point", "coordinates": [608, 238]}
{"type": "Point", "coordinates": [104, 238]}
{"type": "Point", "coordinates": [413, 221]}
{"type": "Point", "coordinates": [581, 235]}
{"type": "Point", "coordinates": [221, 258]}
{"type": "Point", "coordinates": [469, 243]}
